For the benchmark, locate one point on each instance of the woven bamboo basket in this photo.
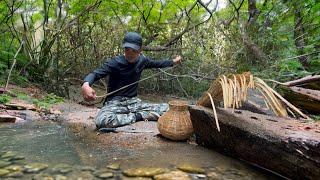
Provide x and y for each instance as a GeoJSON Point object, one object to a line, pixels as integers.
{"type": "Point", "coordinates": [176, 124]}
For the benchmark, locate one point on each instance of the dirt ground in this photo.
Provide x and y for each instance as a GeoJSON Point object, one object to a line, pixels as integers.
{"type": "Point", "coordinates": [79, 118]}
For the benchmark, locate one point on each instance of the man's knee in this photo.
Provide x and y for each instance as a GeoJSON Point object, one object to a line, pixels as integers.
{"type": "Point", "coordinates": [105, 120]}
{"type": "Point", "coordinates": [112, 120]}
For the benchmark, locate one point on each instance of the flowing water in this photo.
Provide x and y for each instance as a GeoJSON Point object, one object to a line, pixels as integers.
{"type": "Point", "coordinates": [53, 143]}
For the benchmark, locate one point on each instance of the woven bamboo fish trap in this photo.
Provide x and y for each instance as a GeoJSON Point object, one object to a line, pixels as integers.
{"type": "Point", "coordinates": [175, 124]}
{"type": "Point", "coordinates": [232, 90]}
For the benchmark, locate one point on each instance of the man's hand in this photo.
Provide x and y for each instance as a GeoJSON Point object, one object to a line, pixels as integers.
{"type": "Point", "coordinates": [88, 93]}
{"type": "Point", "coordinates": [177, 60]}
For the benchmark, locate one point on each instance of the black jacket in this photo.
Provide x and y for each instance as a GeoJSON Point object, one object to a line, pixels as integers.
{"type": "Point", "coordinates": [122, 73]}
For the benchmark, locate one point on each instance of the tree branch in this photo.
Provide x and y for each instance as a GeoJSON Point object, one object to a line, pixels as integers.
{"type": "Point", "coordinates": [14, 62]}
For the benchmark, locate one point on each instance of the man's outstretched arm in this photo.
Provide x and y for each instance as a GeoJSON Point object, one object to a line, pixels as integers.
{"type": "Point", "coordinates": [163, 63]}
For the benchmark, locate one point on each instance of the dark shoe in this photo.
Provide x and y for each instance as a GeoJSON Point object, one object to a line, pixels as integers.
{"type": "Point", "coordinates": [152, 116]}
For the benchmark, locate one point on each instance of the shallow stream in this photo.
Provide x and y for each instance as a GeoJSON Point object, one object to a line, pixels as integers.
{"type": "Point", "coordinates": [55, 145]}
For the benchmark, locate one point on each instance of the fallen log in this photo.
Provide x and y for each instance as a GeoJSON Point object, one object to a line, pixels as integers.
{"type": "Point", "coordinates": [312, 81]}
{"type": "Point", "coordinates": [305, 99]}
{"type": "Point", "coordinates": [288, 147]}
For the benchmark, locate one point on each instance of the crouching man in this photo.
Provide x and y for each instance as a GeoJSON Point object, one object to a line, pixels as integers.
{"type": "Point", "coordinates": [124, 107]}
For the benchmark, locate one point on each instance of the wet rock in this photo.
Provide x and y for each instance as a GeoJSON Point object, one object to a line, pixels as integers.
{"type": "Point", "coordinates": [106, 175]}
{"type": "Point", "coordinates": [3, 172]}
{"type": "Point", "coordinates": [20, 162]}
{"type": "Point", "coordinates": [135, 178]}
{"type": "Point", "coordinates": [62, 168]}
{"type": "Point", "coordinates": [191, 168]}
{"type": "Point", "coordinates": [173, 175]}
{"type": "Point", "coordinates": [17, 174]}
{"type": "Point", "coordinates": [43, 176]}
{"type": "Point", "coordinates": [4, 118]}
{"type": "Point", "coordinates": [86, 168]}
{"type": "Point", "coordinates": [4, 163]}
{"type": "Point", "coordinates": [84, 175]}
{"type": "Point", "coordinates": [35, 167]}
{"type": "Point", "coordinates": [213, 176]}
{"type": "Point", "coordinates": [144, 172]}
{"type": "Point", "coordinates": [2, 152]}
{"type": "Point", "coordinates": [217, 169]}
{"type": "Point", "coordinates": [198, 176]}
{"type": "Point", "coordinates": [14, 168]}
{"type": "Point", "coordinates": [216, 173]}
{"type": "Point", "coordinates": [234, 174]}
{"type": "Point", "coordinates": [8, 154]}
{"type": "Point", "coordinates": [103, 174]}
{"type": "Point", "coordinates": [60, 177]}
{"type": "Point", "coordinates": [17, 158]}
{"type": "Point", "coordinates": [114, 166]}
{"type": "Point", "coordinates": [6, 159]}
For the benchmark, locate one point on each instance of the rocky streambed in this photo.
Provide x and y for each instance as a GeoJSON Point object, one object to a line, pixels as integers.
{"type": "Point", "coordinates": [63, 144]}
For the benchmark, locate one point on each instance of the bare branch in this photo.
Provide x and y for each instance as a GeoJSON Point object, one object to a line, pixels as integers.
{"type": "Point", "coordinates": [12, 66]}
{"type": "Point", "coordinates": [188, 27]}
{"type": "Point", "coordinates": [254, 12]}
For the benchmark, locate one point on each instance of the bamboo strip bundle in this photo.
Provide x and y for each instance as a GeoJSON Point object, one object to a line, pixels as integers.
{"type": "Point", "coordinates": [217, 93]}
{"type": "Point", "coordinates": [233, 91]}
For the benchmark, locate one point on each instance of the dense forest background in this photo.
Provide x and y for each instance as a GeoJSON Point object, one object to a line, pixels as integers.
{"type": "Point", "coordinates": [55, 43]}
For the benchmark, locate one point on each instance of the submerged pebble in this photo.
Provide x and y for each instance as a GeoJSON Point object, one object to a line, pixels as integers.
{"type": "Point", "coordinates": [213, 175]}
{"type": "Point", "coordinates": [14, 168]}
{"type": "Point", "coordinates": [144, 172]}
{"type": "Point", "coordinates": [6, 159]}
{"type": "Point", "coordinates": [60, 177]}
{"type": "Point", "coordinates": [114, 166]}
{"type": "Point", "coordinates": [35, 167]}
{"type": "Point", "coordinates": [191, 168]}
{"type": "Point", "coordinates": [8, 154]}
{"type": "Point", "coordinates": [135, 178]}
{"type": "Point", "coordinates": [82, 175]}
{"type": "Point", "coordinates": [3, 172]}
{"type": "Point", "coordinates": [86, 168]}
{"type": "Point", "coordinates": [2, 152]}
{"type": "Point", "coordinates": [43, 176]}
{"type": "Point", "coordinates": [4, 163]}
{"type": "Point", "coordinates": [17, 174]}
{"type": "Point", "coordinates": [16, 158]}
{"type": "Point", "coordinates": [235, 174]}
{"type": "Point", "coordinates": [104, 174]}
{"type": "Point", "coordinates": [199, 176]}
{"type": "Point", "coordinates": [173, 175]}
{"type": "Point", "coordinates": [62, 168]}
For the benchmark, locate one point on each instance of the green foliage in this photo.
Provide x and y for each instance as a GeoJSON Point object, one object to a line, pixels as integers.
{"type": "Point", "coordinates": [3, 67]}
{"type": "Point", "coordinates": [43, 103]}
{"type": "Point", "coordinates": [48, 101]}
{"type": "Point", "coordinates": [77, 43]}
{"type": "Point", "coordinates": [315, 66]}
{"type": "Point", "coordinates": [289, 66]}
{"type": "Point", "coordinates": [315, 117]}
{"type": "Point", "coordinates": [15, 78]}
{"type": "Point", "coordinates": [19, 79]}
{"type": "Point", "coordinates": [4, 98]}
{"type": "Point", "coordinates": [23, 96]}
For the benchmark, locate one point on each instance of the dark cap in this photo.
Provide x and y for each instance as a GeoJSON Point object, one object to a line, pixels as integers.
{"type": "Point", "coordinates": [132, 40]}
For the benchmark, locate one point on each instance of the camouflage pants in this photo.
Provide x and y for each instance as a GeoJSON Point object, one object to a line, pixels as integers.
{"type": "Point", "coordinates": [122, 111]}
